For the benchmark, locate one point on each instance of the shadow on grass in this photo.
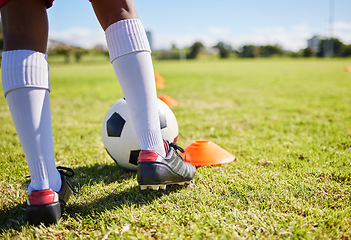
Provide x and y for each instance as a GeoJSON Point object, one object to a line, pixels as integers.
{"type": "Point", "coordinates": [111, 174]}
{"type": "Point", "coordinates": [132, 196]}
{"type": "Point", "coordinates": [100, 173]}
{"type": "Point", "coordinates": [15, 217]}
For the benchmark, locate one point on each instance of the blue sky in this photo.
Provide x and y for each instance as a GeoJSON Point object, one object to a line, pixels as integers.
{"type": "Point", "coordinates": [182, 22]}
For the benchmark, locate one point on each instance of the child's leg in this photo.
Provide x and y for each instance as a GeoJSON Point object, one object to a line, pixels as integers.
{"type": "Point", "coordinates": [158, 164]}
{"type": "Point", "coordinates": [25, 81]}
{"type": "Point", "coordinates": [130, 55]}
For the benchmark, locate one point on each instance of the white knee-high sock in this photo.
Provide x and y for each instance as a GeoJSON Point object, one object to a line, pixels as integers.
{"type": "Point", "coordinates": [26, 87]}
{"type": "Point", "coordinates": [130, 56]}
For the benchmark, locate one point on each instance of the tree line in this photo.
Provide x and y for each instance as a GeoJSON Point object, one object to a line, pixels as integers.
{"type": "Point", "coordinates": [221, 49]}
{"type": "Point", "coordinates": [225, 50]}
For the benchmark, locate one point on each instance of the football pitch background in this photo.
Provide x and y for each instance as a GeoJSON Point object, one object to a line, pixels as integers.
{"type": "Point", "coordinates": [287, 121]}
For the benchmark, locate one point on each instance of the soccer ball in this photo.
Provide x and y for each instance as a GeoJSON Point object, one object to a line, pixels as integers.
{"type": "Point", "coordinates": [120, 139]}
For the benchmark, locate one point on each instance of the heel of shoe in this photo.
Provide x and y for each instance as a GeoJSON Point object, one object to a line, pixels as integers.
{"type": "Point", "coordinates": [47, 214]}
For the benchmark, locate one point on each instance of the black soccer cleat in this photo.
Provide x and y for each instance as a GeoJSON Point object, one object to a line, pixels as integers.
{"type": "Point", "coordinates": [46, 206]}
{"type": "Point", "coordinates": [156, 172]}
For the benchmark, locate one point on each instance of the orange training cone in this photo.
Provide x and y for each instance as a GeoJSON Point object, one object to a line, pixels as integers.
{"type": "Point", "coordinates": [206, 153]}
{"type": "Point", "coordinates": [159, 81]}
{"type": "Point", "coordinates": [168, 100]}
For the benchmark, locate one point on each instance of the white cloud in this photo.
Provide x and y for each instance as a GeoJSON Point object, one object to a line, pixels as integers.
{"type": "Point", "coordinates": [342, 26]}
{"type": "Point", "coordinates": [342, 30]}
{"type": "Point", "coordinates": [290, 38]}
{"type": "Point", "coordinates": [293, 38]}
{"type": "Point", "coordinates": [79, 37]}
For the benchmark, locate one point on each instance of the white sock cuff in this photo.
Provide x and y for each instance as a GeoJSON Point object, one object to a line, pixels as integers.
{"type": "Point", "coordinates": [24, 68]}
{"type": "Point", "coordinates": [126, 36]}
{"type": "Point", "coordinates": [152, 141]}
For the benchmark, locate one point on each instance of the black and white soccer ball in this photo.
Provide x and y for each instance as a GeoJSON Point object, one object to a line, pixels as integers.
{"type": "Point", "coordinates": [120, 139]}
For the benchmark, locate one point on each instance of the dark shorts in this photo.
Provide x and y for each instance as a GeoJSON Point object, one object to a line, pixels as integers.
{"type": "Point", "coordinates": [47, 2]}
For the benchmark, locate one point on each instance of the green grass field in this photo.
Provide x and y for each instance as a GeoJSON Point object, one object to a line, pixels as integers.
{"type": "Point", "coordinates": [287, 121]}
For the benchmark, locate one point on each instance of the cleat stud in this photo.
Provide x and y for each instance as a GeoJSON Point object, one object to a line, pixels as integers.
{"type": "Point", "coordinates": [163, 187]}
{"type": "Point", "coordinates": [181, 183]}
{"type": "Point", "coordinates": [155, 187]}
{"type": "Point", "coordinates": [187, 182]}
{"type": "Point", "coordinates": [143, 187]}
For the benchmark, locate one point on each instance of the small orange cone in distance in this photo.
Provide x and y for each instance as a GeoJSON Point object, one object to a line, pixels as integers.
{"type": "Point", "coordinates": [159, 81]}
{"type": "Point", "coordinates": [168, 100]}
{"type": "Point", "coordinates": [347, 68]}
{"type": "Point", "coordinates": [206, 153]}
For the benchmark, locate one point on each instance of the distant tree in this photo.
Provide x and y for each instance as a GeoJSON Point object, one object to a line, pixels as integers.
{"type": "Point", "coordinates": [294, 54]}
{"type": "Point", "coordinates": [338, 47]}
{"type": "Point", "coordinates": [308, 52]}
{"type": "Point", "coordinates": [100, 49]}
{"type": "Point", "coordinates": [195, 49]}
{"type": "Point", "coordinates": [224, 49]}
{"type": "Point", "coordinates": [166, 54]}
{"type": "Point", "coordinates": [79, 52]}
{"type": "Point", "coordinates": [270, 50]}
{"type": "Point", "coordinates": [249, 51]}
{"type": "Point", "coordinates": [324, 47]}
{"type": "Point", "coordinates": [346, 51]}
{"type": "Point", "coordinates": [62, 49]}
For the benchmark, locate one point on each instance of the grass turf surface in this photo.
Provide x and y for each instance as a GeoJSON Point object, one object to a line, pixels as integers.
{"type": "Point", "coordinates": [288, 122]}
